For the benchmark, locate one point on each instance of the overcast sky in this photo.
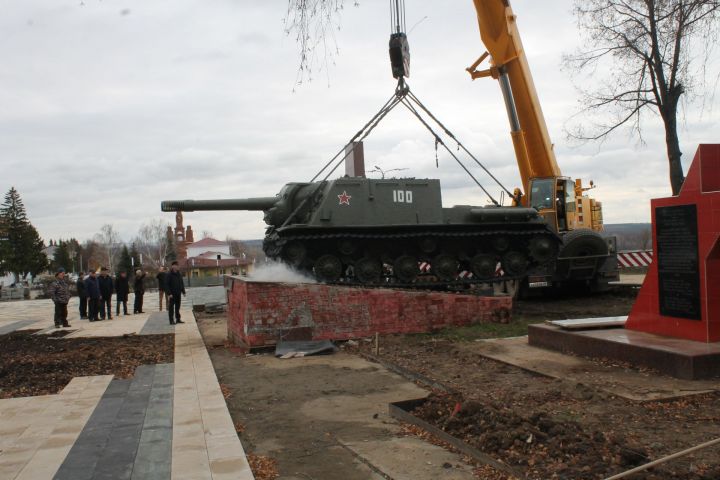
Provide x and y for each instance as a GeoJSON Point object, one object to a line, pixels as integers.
{"type": "Point", "coordinates": [108, 107]}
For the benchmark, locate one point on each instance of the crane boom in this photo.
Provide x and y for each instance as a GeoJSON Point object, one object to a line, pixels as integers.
{"type": "Point", "coordinates": [509, 65]}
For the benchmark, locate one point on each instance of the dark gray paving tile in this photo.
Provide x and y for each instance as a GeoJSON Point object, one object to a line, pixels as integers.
{"type": "Point", "coordinates": [90, 444]}
{"type": "Point", "coordinates": [129, 435]}
{"type": "Point", "coordinates": [154, 458]}
{"type": "Point", "coordinates": [157, 323]}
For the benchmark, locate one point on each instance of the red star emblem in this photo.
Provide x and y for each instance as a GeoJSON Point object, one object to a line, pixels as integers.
{"type": "Point", "coordinates": [344, 198]}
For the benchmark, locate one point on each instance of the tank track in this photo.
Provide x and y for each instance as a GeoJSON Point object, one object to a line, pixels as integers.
{"type": "Point", "coordinates": [275, 242]}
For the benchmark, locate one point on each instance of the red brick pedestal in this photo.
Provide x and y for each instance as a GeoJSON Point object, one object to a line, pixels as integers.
{"type": "Point", "coordinates": [260, 313]}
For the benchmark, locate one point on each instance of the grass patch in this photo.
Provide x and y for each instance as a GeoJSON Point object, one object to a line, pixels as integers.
{"type": "Point", "coordinates": [516, 328]}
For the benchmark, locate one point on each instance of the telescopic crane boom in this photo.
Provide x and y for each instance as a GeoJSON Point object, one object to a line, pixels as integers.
{"type": "Point", "coordinates": [560, 200]}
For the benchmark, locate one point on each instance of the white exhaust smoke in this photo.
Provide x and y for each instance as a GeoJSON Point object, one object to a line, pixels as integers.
{"type": "Point", "coordinates": [278, 272]}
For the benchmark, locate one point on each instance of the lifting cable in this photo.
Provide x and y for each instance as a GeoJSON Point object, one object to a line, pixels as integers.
{"type": "Point", "coordinates": [459, 144]}
{"type": "Point", "coordinates": [439, 140]}
{"type": "Point", "coordinates": [403, 96]}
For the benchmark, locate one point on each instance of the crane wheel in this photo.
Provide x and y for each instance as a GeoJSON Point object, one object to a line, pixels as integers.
{"type": "Point", "coordinates": [583, 242]}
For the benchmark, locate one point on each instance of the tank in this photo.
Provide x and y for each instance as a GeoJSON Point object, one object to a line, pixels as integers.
{"type": "Point", "coordinates": [395, 231]}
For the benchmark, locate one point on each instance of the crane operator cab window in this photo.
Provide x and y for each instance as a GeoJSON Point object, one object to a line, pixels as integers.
{"type": "Point", "coordinates": [542, 194]}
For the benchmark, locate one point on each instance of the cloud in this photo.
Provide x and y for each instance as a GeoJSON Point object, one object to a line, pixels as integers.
{"type": "Point", "coordinates": [106, 114]}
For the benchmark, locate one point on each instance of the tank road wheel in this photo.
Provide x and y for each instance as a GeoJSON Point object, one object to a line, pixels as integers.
{"type": "Point", "coordinates": [328, 268]}
{"type": "Point", "coordinates": [294, 253]}
{"type": "Point", "coordinates": [346, 247]}
{"type": "Point", "coordinates": [500, 244]}
{"type": "Point", "coordinates": [445, 267]}
{"type": "Point", "coordinates": [368, 270]}
{"type": "Point", "coordinates": [427, 245]}
{"type": "Point", "coordinates": [406, 268]}
{"type": "Point", "coordinates": [542, 248]}
{"type": "Point", "coordinates": [514, 263]}
{"type": "Point", "coordinates": [483, 265]}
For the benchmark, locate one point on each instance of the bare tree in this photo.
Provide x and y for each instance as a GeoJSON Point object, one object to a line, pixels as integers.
{"type": "Point", "coordinates": [109, 244]}
{"type": "Point", "coordinates": [152, 242]}
{"type": "Point", "coordinates": [313, 23]}
{"type": "Point", "coordinates": [652, 52]}
{"type": "Point", "coordinates": [206, 234]}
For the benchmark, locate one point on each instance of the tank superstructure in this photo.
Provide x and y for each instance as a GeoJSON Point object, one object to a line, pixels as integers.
{"type": "Point", "coordinates": [380, 231]}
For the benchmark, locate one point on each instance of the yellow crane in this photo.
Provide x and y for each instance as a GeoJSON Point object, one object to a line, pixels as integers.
{"type": "Point", "coordinates": [562, 201]}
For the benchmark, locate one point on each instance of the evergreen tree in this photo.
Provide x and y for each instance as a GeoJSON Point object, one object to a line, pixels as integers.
{"type": "Point", "coordinates": [22, 253]}
{"type": "Point", "coordinates": [62, 256]}
{"type": "Point", "coordinates": [126, 264]}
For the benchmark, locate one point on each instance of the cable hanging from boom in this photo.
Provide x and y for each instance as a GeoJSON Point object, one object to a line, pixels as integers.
{"type": "Point", "coordinates": [399, 49]}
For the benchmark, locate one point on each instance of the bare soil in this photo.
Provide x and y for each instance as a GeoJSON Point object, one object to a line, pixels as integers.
{"type": "Point", "coordinates": [543, 427]}
{"type": "Point", "coordinates": [552, 428]}
{"type": "Point", "coordinates": [33, 365]}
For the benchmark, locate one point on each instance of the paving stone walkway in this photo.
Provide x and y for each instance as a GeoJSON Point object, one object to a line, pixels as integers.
{"type": "Point", "coordinates": [169, 421]}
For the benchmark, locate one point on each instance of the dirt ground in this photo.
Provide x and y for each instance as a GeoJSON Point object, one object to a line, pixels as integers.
{"type": "Point", "coordinates": [33, 365]}
{"type": "Point", "coordinates": [546, 428]}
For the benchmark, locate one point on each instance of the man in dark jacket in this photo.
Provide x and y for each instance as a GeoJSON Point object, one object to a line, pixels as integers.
{"type": "Point", "coordinates": [60, 295]}
{"type": "Point", "coordinates": [106, 290]}
{"type": "Point", "coordinates": [80, 285]}
{"type": "Point", "coordinates": [122, 289]}
{"type": "Point", "coordinates": [174, 286]}
{"type": "Point", "coordinates": [92, 289]}
{"type": "Point", "coordinates": [139, 287]}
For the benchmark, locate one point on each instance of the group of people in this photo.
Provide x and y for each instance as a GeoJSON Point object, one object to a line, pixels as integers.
{"type": "Point", "coordinates": [96, 291]}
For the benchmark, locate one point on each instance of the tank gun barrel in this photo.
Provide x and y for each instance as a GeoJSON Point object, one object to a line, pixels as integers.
{"type": "Point", "coordinates": [254, 204]}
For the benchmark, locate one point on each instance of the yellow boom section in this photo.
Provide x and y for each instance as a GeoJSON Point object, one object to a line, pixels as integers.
{"type": "Point", "coordinates": [509, 64]}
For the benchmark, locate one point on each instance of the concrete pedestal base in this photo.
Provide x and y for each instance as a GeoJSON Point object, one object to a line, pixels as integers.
{"type": "Point", "coordinates": [679, 358]}
{"type": "Point", "coordinates": [261, 313]}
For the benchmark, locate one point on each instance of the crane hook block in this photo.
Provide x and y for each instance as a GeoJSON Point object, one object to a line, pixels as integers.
{"type": "Point", "coordinates": [399, 55]}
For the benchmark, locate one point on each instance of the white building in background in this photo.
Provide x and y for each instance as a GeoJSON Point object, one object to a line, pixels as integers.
{"type": "Point", "coordinates": [209, 245]}
{"type": "Point", "coordinates": [210, 257]}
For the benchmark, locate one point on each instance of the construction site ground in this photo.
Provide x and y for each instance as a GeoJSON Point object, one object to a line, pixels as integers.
{"type": "Point", "coordinates": [327, 417]}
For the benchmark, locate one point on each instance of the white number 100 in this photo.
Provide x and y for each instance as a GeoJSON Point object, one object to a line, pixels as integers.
{"type": "Point", "coordinates": [402, 196]}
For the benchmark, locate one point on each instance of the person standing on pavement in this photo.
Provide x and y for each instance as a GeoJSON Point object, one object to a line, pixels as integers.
{"type": "Point", "coordinates": [106, 290]}
{"type": "Point", "coordinates": [122, 289]}
{"type": "Point", "coordinates": [174, 286]}
{"type": "Point", "coordinates": [92, 288]}
{"type": "Point", "coordinates": [161, 286]}
{"type": "Point", "coordinates": [139, 287]}
{"type": "Point", "coordinates": [60, 295]}
{"type": "Point", "coordinates": [80, 285]}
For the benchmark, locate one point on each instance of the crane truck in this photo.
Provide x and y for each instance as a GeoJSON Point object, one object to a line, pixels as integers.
{"type": "Point", "coordinates": [564, 203]}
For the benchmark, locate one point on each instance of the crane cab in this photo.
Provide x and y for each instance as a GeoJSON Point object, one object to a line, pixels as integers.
{"type": "Point", "coordinates": [564, 205]}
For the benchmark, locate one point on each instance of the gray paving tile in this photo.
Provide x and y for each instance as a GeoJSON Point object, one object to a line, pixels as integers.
{"type": "Point", "coordinates": [11, 327]}
{"type": "Point", "coordinates": [85, 453]}
{"type": "Point", "coordinates": [154, 457]}
{"type": "Point", "coordinates": [157, 323]}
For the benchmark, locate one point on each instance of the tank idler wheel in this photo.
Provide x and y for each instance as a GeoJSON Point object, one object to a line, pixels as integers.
{"type": "Point", "coordinates": [294, 253]}
{"type": "Point", "coordinates": [483, 265]}
{"type": "Point", "coordinates": [500, 244]}
{"type": "Point", "coordinates": [514, 263]}
{"type": "Point", "coordinates": [445, 267]}
{"type": "Point", "coordinates": [427, 245]}
{"type": "Point", "coordinates": [406, 268]}
{"type": "Point", "coordinates": [346, 247]}
{"type": "Point", "coordinates": [328, 268]}
{"type": "Point", "coordinates": [368, 270]}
